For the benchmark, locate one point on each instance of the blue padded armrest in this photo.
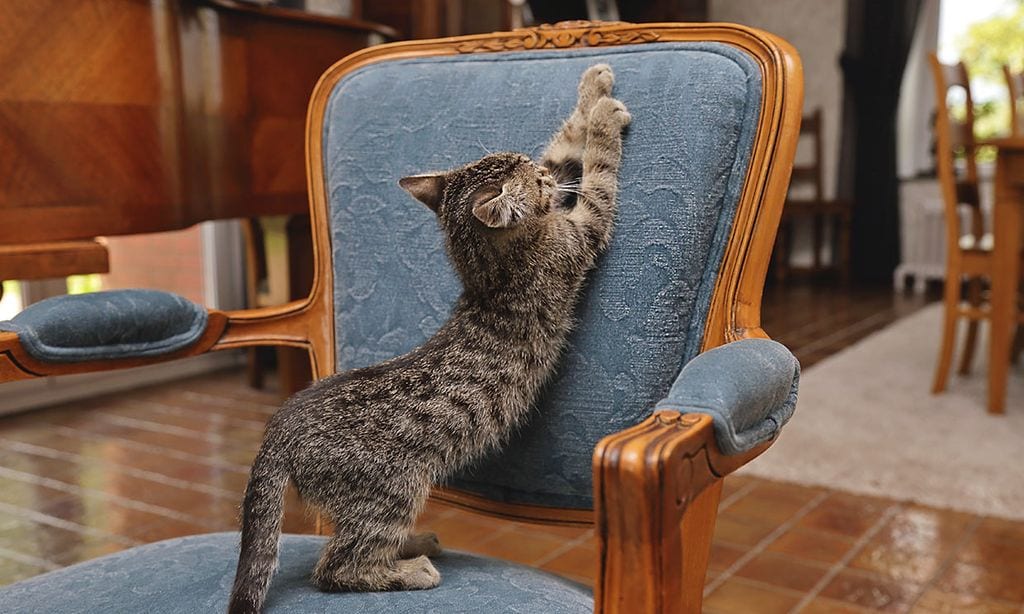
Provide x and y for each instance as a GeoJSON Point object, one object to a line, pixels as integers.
{"type": "Point", "coordinates": [749, 387]}
{"type": "Point", "coordinates": [108, 325]}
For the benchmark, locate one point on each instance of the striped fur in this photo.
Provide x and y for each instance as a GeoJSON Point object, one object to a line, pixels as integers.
{"type": "Point", "coordinates": [365, 446]}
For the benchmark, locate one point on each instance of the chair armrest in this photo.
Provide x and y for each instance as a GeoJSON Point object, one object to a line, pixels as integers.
{"type": "Point", "coordinates": [748, 387]}
{"type": "Point", "coordinates": [657, 484]}
{"type": "Point", "coordinates": [119, 329]}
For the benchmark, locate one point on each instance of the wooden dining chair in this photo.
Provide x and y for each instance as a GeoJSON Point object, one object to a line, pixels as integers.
{"type": "Point", "coordinates": [1015, 89]}
{"type": "Point", "coordinates": [668, 383]}
{"type": "Point", "coordinates": [813, 206]}
{"type": "Point", "coordinates": [969, 256]}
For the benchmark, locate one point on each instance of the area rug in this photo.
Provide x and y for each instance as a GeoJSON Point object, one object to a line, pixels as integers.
{"type": "Point", "coordinates": [867, 423]}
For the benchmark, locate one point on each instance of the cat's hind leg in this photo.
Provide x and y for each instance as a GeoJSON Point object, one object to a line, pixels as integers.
{"type": "Point", "coordinates": [341, 568]}
{"type": "Point", "coordinates": [420, 544]}
{"type": "Point", "coordinates": [368, 551]}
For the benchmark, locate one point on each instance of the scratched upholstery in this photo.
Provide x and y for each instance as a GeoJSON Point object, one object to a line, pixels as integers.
{"type": "Point", "coordinates": [194, 574]}
{"type": "Point", "coordinates": [695, 109]}
{"type": "Point", "coordinates": [107, 325]}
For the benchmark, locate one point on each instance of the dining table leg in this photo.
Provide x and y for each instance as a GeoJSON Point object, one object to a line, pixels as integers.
{"type": "Point", "coordinates": [1007, 218]}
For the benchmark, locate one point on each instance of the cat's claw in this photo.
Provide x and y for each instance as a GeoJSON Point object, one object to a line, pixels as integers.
{"type": "Point", "coordinates": [596, 83]}
{"type": "Point", "coordinates": [417, 574]}
{"type": "Point", "coordinates": [612, 111]}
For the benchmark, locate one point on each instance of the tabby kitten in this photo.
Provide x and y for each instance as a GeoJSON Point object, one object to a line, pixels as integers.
{"type": "Point", "coordinates": [365, 446]}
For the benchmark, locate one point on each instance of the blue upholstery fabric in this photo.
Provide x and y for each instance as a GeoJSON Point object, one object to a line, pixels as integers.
{"type": "Point", "coordinates": [106, 325]}
{"type": "Point", "coordinates": [191, 575]}
{"type": "Point", "coordinates": [749, 387]}
{"type": "Point", "coordinates": [695, 108]}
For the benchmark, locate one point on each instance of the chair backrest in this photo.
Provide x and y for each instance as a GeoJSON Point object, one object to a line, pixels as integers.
{"type": "Point", "coordinates": [955, 136]}
{"type": "Point", "coordinates": [1015, 88]}
{"type": "Point", "coordinates": [705, 166]}
{"type": "Point", "coordinates": [809, 172]}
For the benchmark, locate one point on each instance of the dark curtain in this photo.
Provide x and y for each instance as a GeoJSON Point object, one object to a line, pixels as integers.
{"type": "Point", "coordinates": [638, 11]}
{"type": "Point", "coordinates": [878, 38]}
{"type": "Point", "coordinates": [553, 11]}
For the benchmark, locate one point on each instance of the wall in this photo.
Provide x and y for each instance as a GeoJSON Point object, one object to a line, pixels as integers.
{"type": "Point", "coordinates": [171, 261]}
{"type": "Point", "coordinates": [817, 28]}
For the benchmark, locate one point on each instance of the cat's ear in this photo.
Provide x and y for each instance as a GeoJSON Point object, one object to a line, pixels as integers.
{"type": "Point", "coordinates": [499, 213]}
{"type": "Point", "coordinates": [428, 189]}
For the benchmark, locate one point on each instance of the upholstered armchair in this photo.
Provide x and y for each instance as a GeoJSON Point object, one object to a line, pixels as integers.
{"type": "Point", "coordinates": [668, 383]}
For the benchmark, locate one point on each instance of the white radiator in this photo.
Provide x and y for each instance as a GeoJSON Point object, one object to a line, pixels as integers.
{"type": "Point", "coordinates": [923, 228]}
{"type": "Point", "coordinates": [922, 234]}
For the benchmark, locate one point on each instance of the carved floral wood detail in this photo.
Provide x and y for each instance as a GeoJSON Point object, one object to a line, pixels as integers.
{"type": "Point", "coordinates": [559, 36]}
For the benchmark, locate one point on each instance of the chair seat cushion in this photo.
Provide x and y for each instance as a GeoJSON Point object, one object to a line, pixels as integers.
{"type": "Point", "coordinates": [194, 574]}
{"type": "Point", "coordinates": [108, 325]}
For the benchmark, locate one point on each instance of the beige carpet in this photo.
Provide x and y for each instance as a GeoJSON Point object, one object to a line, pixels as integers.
{"type": "Point", "coordinates": [866, 423]}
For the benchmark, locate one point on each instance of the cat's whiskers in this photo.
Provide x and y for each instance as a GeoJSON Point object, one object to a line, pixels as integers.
{"type": "Point", "coordinates": [572, 190]}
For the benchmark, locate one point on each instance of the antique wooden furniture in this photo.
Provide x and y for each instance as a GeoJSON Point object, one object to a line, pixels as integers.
{"type": "Point", "coordinates": [124, 117]}
{"type": "Point", "coordinates": [970, 254]}
{"type": "Point", "coordinates": [815, 208]}
{"type": "Point", "coordinates": [1007, 312]}
{"type": "Point", "coordinates": [205, 121]}
{"type": "Point", "coordinates": [52, 259]}
{"type": "Point", "coordinates": [716, 110]}
{"type": "Point", "coordinates": [1015, 89]}
{"type": "Point", "coordinates": [188, 111]}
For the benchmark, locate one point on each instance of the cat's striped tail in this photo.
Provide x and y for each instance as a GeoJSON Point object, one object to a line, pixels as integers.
{"type": "Point", "coordinates": [262, 512]}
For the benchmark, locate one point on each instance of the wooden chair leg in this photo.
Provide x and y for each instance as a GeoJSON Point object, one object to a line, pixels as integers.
{"type": "Point", "coordinates": [781, 253]}
{"type": "Point", "coordinates": [971, 339]}
{"type": "Point", "coordinates": [656, 498]}
{"type": "Point", "coordinates": [1018, 345]}
{"type": "Point", "coordinates": [951, 302]}
{"type": "Point", "coordinates": [818, 240]}
{"type": "Point", "coordinates": [698, 529]}
{"type": "Point", "coordinates": [254, 370]}
{"type": "Point", "coordinates": [843, 224]}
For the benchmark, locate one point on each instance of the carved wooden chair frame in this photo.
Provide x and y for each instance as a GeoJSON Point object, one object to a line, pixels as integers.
{"type": "Point", "coordinates": [656, 485]}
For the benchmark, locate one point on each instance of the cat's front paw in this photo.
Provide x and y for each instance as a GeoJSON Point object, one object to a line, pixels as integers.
{"type": "Point", "coordinates": [596, 83]}
{"type": "Point", "coordinates": [611, 112]}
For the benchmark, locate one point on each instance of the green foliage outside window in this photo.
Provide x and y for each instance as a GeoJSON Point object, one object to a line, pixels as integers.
{"type": "Point", "coordinates": [985, 48]}
{"type": "Point", "coordinates": [81, 284]}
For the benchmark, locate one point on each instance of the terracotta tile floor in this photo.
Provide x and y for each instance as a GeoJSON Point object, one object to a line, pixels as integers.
{"type": "Point", "coordinates": [94, 477]}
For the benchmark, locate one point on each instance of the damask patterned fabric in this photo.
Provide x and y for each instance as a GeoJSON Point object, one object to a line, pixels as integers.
{"type": "Point", "coordinates": [748, 387]}
{"type": "Point", "coordinates": [106, 325]}
{"type": "Point", "coordinates": [695, 108]}
{"type": "Point", "coordinates": [194, 574]}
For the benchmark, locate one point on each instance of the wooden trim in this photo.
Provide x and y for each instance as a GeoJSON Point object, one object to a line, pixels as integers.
{"type": "Point", "coordinates": [283, 13]}
{"type": "Point", "coordinates": [519, 512]}
{"type": "Point", "coordinates": [17, 364]}
{"type": "Point", "coordinates": [736, 299]}
{"type": "Point", "coordinates": [56, 259]}
{"type": "Point", "coordinates": [1015, 90]}
{"type": "Point", "coordinates": [301, 324]}
{"type": "Point", "coordinates": [656, 489]}
{"type": "Point", "coordinates": [296, 324]}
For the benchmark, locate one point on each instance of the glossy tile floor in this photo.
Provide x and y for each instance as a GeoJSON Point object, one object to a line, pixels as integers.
{"type": "Point", "coordinates": [94, 477]}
